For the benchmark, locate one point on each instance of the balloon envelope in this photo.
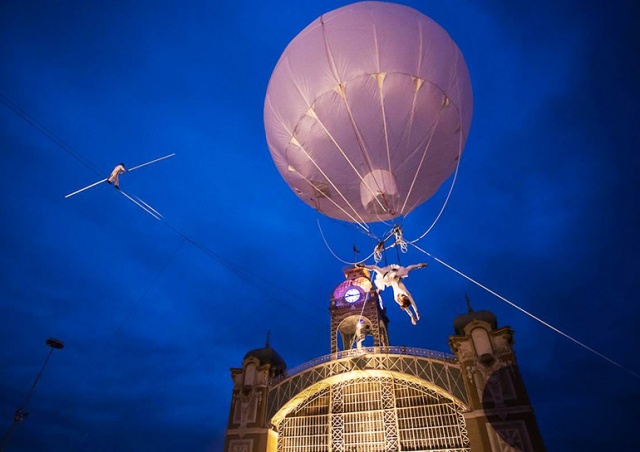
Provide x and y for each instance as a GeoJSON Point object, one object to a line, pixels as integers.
{"type": "Point", "coordinates": [368, 110]}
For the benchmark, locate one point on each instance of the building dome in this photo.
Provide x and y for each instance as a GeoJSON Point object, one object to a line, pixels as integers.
{"type": "Point", "coordinates": [267, 355]}
{"type": "Point", "coordinates": [463, 320]}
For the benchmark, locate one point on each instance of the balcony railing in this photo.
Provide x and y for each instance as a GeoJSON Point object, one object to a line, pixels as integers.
{"type": "Point", "coordinates": [354, 352]}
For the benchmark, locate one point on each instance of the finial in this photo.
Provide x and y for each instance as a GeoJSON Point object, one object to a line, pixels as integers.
{"type": "Point", "coordinates": [466, 297]}
{"type": "Point", "coordinates": [268, 335]}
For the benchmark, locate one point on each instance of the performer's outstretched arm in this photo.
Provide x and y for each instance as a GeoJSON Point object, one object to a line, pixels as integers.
{"type": "Point", "coordinates": [413, 267]}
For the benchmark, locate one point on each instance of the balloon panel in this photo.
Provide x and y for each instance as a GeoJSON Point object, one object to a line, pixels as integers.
{"type": "Point", "coordinates": [367, 111]}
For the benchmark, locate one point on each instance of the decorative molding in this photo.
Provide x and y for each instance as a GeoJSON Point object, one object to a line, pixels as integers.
{"type": "Point", "coordinates": [509, 436]}
{"type": "Point", "coordinates": [247, 402]}
{"type": "Point", "coordinates": [463, 349]}
{"type": "Point", "coordinates": [241, 445]}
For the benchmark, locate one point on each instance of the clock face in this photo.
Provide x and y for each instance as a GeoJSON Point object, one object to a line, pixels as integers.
{"type": "Point", "coordinates": [352, 295]}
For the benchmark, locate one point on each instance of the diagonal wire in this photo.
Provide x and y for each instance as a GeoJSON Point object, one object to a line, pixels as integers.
{"type": "Point", "coordinates": [236, 269]}
{"type": "Point", "coordinates": [140, 205]}
{"type": "Point", "coordinates": [359, 222]}
{"type": "Point", "coordinates": [352, 120]}
{"type": "Point", "coordinates": [334, 254]}
{"type": "Point", "coordinates": [424, 155]}
{"type": "Point", "coordinates": [40, 128]}
{"type": "Point", "coordinates": [446, 201]}
{"type": "Point", "coordinates": [572, 339]}
{"type": "Point", "coordinates": [121, 325]}
{"type": "Point", "coordinates": [460, 146]}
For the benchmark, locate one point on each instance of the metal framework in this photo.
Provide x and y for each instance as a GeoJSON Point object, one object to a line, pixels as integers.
{"type": "Point", "coordinates": [440, 370]}
{"type": "Point", "coordinates": [374, 413]}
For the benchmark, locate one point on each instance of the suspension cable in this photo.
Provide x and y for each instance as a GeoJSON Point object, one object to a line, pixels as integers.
{"type": "Point", "coordinates": [334, 254]}
{"type": "Point", "coordinates": [446, 201]}
{"type": "Point", "coordinates": [567, 336]}
{"type": "Point", "coordinates": [59, 142]}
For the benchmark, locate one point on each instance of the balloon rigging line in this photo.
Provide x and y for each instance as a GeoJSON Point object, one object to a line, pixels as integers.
{"type": "Point", "coordinates": [363, 149]}
{"type": "Point", "coordinates": [380, 81]}
{"type": "Point", "coordinates": [385, 127]}
{"type": "Point", "coordinates": [424, 155]}
{"type": "Point", "coordinates": [418, 84]}
{"type": "Point", "coordinates": [365, 154]}
{"type": "Point", "coordinates": [446, 201]}
{"type": "Point", "coordinates": [460, 146]}
{"type": "Point", "coordinates": [40, 128]}
{"type": "Point", "coordinates": [119, 328]}
{"type": "Point", "coordinates": [586, 347]}
{"type": "Point", "coordinates": [418, 81]}
{"type": "Point", "coordinates": [349, 112]}
{"type": "Point", "coordinates": [312, 113]}
{"type": "Point", "coordinates": [361, 222]}
{"type": "Point", "coordinates": [353, 226]}
{"type": "Point", "coordinates": [342, 152]}
{"type": "Point", "coordinates": [453, 181]}
{"type": "Point", "coordinates": [354, 126]}
{"type": "Point", "coordinates": [334, 254]}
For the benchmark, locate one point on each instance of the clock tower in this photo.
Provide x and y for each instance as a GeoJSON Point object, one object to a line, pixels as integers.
{"type": "Point", "coordinates": [357, 313]}
{"type": "Point", "coordinates": [384, 397]}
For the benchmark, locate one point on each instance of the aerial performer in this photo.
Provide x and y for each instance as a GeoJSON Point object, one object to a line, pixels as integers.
{"type": "Point", "coordinates": [114, 178]}
{"type": "Point", "coordinates": [360, 334]}
{"type": "Point", "coordinates": [392, 276]}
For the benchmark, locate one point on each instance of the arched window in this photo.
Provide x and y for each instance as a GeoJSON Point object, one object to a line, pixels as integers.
{"type": "Point", "coordinates": [481, 342]}
{"type": "Point", "coordinates": [249, 374]}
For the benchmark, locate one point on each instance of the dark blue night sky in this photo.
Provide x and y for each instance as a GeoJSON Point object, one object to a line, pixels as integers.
{"type": "Point", "coordinates": [545, 212]}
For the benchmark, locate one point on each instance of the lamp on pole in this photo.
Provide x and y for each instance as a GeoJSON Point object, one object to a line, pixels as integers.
{"type": "Point", "coordinates": [20, 413]}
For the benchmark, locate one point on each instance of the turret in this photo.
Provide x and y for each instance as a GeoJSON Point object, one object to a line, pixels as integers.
{"type": "Point", "coordinates": [501, 416]}
{"type": "Point", "coordinates": [247, 428]}
{"type": "Point", "coordinates": [358, 316]}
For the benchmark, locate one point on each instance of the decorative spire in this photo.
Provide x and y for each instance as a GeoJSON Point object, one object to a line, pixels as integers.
{"type": "Point", "coordinates": [466, 297]}
{"type": "Point", "coordinates": [268, 335]}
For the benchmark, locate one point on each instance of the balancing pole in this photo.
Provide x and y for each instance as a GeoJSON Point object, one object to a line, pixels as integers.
{"type": "Point", "coordinates": [20, 414]}
{"type": "Point", "coordinates": [86, 188]}
{"type": "Point", "coordinates": [149, 163]}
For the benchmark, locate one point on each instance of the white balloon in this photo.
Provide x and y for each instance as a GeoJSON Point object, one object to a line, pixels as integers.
{"type": "Point", "coordinates": [368, 110]}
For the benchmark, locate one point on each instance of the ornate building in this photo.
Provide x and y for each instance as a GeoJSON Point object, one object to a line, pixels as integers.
{"type": "Point", "coordinates": [368, 395]}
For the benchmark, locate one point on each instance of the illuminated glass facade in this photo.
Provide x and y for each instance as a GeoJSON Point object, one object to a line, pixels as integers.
{"type": "Point", "coordinates": [374, 414]}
